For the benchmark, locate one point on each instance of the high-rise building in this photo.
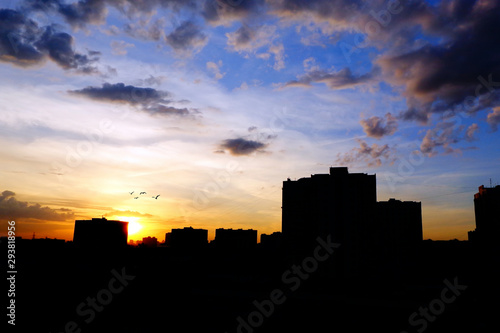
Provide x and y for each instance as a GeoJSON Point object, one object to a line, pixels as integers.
{"type": "Point", "coordinates": [100, 233]}
{"type": "Point", "coordinates": [337, 204]}
{"type": "Point", "coordinates": [272, 241]}
{"type": "Point", "coordinates": [487, 213]}
{"type": "Point", "coordinates": [344, 207]}
{"type": "Point", "coordinates": [399, 222]}
{"type": "Point", "coordinates": [235, 239]}
{"type": "Point", "coordinates": [188, 238]}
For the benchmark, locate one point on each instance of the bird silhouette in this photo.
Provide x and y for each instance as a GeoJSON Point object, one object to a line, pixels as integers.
{"type": "Point", "coordinates": [136, 198]}
{"type": "Point", "coordinates": [131, 192]}
{"type": "Point", "coordinates": [142, 193]}
{"type": "Point", "coordinates": [155, 197]}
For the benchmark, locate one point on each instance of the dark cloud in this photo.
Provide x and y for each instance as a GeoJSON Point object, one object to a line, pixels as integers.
{"type": "Point", "coordinates": [77, 14]}
{"type": "Point", "coordinates": [148, 100]}
{"type": "Point", "coordinates": [186, 37]}
{"type": "Point", "coordinates": [222, 12]}
{"type": "Point", "coordinates": [377, 127]}
{"type": "Point", "coordinates": [249, 39]}
{"type": "Point", "coordinates": [18, 35]}
{"type": "Point", "coordinates": [168, 110]}
{"type": "Point", "coordinates": [24, 43]}
{"type": "Point", "coordinates": [59, 47]}
{"type": "Point", "coordinates": [340, 14]}
{"type": "Point", "coordinates": [342, 79]}
{"type": "Point", "coordinates": [80, 13]}
{"type": "Point", "coordinates": [121, 93]}
{"type": "Point", "coordinates": [241, 146]}
{"type": "Point", "coordinates": [11, 208]}
{"type": "Point", "coordinates": [243, 38]}
{"type": "Point", "coordinates": [372, 156]}
{"type": "Point", "coordinates": [461, 71]}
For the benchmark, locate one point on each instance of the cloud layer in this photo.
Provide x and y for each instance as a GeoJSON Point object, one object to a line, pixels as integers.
{"type": "Point", "coordinates": [24, 43]}
{"type": "Point", "coordinates": [149, 100]}
{"type": "Point", "coordinates": [11, 208]}
{"type": "Point", "coordinates": [241, 146]}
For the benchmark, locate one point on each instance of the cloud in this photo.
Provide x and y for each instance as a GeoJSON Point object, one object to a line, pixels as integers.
{"type": "Point", "coordinates": [148, 100]}
{"type": "Point", "coordinates": [215, 69]}
{"type": "Point", "coordinates": [278, 50]}
{"type": "Point", "coordinates": [443, 135]}
{"type": "Point", "coordinates": [248, 40]}
{"type": "Point", "coordinates": [241, 146]}
{"type": "Point", "coordinates": [119, 47]}
{"type": "Point", "coordinates": [223, 12]}
{"type": "Point", "coordinates": [186, 37]}
{"type": "Point", "coordinates": [127, 213]}
{"type": "Point", "coordinates": [372, 155]}
{"type": "Point", "coordinates": [494, 119]}
{"type": "Point", "coordinates": [143, 29]}
{"type": "Point", "coordinates": [160, 109]}
{"type": "Point", "coordinates": [11, 208]}
{"type": "Point", "coordinates": [80, 13]}
{"type": "Point", "coordinates": [342, 79]}
{"type": "Point", "coordinates": [121, 93]}
{"type": "Point", "coordinates": [339, 15]}
{"type": "Point", "coordinates": [24, 43]}
{"type": "Point", "coordinates": [471, 130]}
{"type": "Point", "coordinates": [458, 72]}
{"type": "Point", "coordinates": [377, 127]}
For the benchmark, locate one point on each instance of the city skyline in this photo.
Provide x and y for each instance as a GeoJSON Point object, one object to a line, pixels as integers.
{"type": "Point", "coordinates": [213, 104]}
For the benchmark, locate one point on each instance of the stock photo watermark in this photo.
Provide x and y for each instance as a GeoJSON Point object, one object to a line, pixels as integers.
{"type": "Point", "coordinates": [293, 279]}
{"type": "Point", "coordinates": [11, 272]}
{"type": "Point", "coordinates": [89, 308]}
{"type": "Point", "coordinates": [428, 314]}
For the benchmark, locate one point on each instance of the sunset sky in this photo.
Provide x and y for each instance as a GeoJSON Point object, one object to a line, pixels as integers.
{"type": "Point", "coordinates": [212, 104]}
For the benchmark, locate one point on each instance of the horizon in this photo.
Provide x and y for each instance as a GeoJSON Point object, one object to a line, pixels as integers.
{"type": "Point", "coordinates": [169, 114]}
{"type": "Point", "coordinates": [137, 239]}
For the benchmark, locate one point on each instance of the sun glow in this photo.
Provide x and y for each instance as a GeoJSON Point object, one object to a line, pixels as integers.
{"type": "Point", "coordinates": [133, 225]}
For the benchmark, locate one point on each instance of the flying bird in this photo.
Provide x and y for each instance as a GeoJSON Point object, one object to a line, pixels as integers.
{"type": "Point", "coordinates": [142, 193]}
{"type": "Point", "coordinates": [155, 197]}
{"type": "Point", "coordinates": [136, 198]}
{"type": "Point", "coordinates": [131, 192]}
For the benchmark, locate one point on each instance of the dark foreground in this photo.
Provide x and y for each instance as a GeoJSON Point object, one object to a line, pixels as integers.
{"type": "Point", "coordinates": [443, 287]}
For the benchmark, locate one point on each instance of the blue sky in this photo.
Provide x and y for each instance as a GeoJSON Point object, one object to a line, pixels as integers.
{"type": "Point", "coordinates": [212, 104]}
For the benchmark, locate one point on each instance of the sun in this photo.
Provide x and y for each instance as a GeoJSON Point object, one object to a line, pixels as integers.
{"type": "Point", "coordinates": [133, 226]}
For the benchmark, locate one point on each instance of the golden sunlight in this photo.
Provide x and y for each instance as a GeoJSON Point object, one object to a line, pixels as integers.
{"type": "Point", "coordinates": [133, 225]}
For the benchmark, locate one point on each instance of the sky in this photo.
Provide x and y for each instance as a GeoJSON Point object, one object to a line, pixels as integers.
{"type": "Point", "coordinates": [213, 104]}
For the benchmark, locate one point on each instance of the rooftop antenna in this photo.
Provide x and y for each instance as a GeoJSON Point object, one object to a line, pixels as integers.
{"type": "Point", "coordinates": [490, 183]}
{"type": "Point", "coordinates": [33, 235]}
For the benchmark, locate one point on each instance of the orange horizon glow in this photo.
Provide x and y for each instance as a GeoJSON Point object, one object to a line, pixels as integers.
{"type": "Point", "coordinates": [133, 224]}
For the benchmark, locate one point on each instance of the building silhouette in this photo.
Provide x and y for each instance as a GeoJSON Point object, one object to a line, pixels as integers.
{"type": "Point", "coordinates": [100, 233]}
{"type": "Point", "coordinates": [187, 238]}
{"type": "Point", "coordinates": [487, 214]}
{"type": "Point", "coordinates": [270, 242]}
{"type": "Point", "coordinates": [235, 239]}
{"type": "Point", "coordinates": [149, 241]}
{"type": "Point", "coordinates": [399, 222]}
{"type": "Point", "coordinates": [344, 207]}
